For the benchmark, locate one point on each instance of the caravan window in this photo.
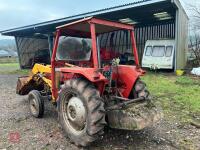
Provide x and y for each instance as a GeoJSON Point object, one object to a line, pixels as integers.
{"type": "Point", "coordinates": [148, 51]}
{"type": "Point", "coordinates": [168, 52]}
{"type": "Point", "coordinates": [158, 51]}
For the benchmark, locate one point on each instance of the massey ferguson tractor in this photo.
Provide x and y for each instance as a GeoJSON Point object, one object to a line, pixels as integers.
{"type": "Point", "coordinates": [91, 86]}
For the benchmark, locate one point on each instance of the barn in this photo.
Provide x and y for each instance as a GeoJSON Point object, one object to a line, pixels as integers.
{"type": "Point", "coordinates": [152, 19]}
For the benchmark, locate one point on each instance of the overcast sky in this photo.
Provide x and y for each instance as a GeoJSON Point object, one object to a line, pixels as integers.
{"type": "Point", "coordinates": [16, 13]}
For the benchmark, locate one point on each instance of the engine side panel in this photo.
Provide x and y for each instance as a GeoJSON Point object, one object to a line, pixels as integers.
{"type": "Point", "coordinates": [90, 74]}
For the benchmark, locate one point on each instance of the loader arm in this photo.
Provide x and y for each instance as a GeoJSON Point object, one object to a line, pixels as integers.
{"type": "Point", "coordinates": [33, 82]}
{"type": "Point", "coordinates": [42, 69]}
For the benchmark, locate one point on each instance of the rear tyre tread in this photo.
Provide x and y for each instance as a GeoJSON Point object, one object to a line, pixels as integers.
{"type": "Point", "coordinates": [95, 110]}
{"type": "Point", "coordinates": [142, 89]}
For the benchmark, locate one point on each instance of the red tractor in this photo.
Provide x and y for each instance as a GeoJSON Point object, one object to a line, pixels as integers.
{"type": "Point", "coordinates": [92, 86]}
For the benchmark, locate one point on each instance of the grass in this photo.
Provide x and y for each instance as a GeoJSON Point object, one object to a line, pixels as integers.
{"type": "Point", "coordinates": [8, 60]}
{"type": "Point", "coordinates": [12, 68]}
{"type": "Point", "coordinates": [178, 96]}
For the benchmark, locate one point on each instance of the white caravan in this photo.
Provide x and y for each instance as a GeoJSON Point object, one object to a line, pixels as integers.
{"type": "Point", "coordinates": [159, 54]}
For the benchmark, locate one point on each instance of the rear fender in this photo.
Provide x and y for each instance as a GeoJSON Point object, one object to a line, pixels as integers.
{"type": "Point", "coordinates": [126, 77]}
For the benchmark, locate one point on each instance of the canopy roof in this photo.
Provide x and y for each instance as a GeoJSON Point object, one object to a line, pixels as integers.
{"type": "Point", "coordinates": [81, 28]}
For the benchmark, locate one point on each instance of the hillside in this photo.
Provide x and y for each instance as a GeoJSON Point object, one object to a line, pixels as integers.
{"type": "Point", "coordinates": [8, 44]}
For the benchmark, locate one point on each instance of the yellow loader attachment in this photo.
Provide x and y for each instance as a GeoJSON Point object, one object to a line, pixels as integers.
{"type": "Point", "coordinates": [36, 80]}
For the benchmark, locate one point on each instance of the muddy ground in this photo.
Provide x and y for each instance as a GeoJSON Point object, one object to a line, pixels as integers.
{"type": "Point", "coordinates": [19, 130]}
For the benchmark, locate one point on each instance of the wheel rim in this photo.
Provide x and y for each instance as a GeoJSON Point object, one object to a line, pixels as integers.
{"type": "Point", "coordinates": [33, 106]}
{"type": "Point", "coordinates": [74, 114]}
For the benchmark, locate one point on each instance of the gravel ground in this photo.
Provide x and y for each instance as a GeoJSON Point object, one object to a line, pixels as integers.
{"type": "Point", "coordinates": [19, 130]}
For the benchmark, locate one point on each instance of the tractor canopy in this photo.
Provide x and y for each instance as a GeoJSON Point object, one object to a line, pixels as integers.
{"type": "Point", "coordinates": [81, 28]}
{"type": "Point", "coordinates": [79, 40]}
{"type": "Point", "coordinates": [95, 44]}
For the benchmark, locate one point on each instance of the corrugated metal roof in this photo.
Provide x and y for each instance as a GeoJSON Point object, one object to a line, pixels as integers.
{"type": "Point", "coordinates": [93, 13]}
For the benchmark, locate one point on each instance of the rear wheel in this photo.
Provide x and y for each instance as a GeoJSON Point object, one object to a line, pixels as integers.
{"type": "Point", "coordinates": [139, 90]}
{"type": "Point", "coordinates": [81, 112]}
{"type": "Point", "coordinates": [36, 104]}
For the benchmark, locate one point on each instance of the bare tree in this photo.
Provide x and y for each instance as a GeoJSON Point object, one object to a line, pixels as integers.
{"type": "Point", "coordinates": [194, 48]}
{"type": "Point", "coordinates": [194, 14]}
{"type": "Point", "coordinates": [194, 43]}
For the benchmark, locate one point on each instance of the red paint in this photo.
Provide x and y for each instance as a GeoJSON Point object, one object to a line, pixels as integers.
{"type": "Point", "coordinates": [134, 48]}
{"type": "Point", "coordinates": [107, 54]}
{"type": "Point", "coordinates": [53, 63]}
{"type": "Point", "coordinates": [125, 76]}
{"type": "Point", "coordinates": [90, 73]}
{"type": "Point", "coordinates": [94, 45]}
{"type": "Point", "coordinates": [98, 21]}
{"type": "Point", "coordinates": [14, 137]}
{"type": "Point", "coordinates": [111, 23]}
{"type": "Point", "coordinates": [77, 32]}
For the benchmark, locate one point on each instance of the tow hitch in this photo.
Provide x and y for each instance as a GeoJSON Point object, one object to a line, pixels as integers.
{"type": "Point", "coordinates": [125, 102]}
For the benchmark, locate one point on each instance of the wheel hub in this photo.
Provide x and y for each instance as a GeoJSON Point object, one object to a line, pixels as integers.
{"type": "Point", "coordinates": [76, 113]}
{"type": "Point", "coordinates": [33, 106]}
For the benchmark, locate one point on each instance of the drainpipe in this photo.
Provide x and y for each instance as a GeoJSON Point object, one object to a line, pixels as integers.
{"type": "Point", "coordinates": [176, 39]}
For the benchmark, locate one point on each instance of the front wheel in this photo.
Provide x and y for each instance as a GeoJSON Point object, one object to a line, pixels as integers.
{"type": "Point", "coordinates": [81, 112]}
{"type": "Point", "coordinates": [36, 104]}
